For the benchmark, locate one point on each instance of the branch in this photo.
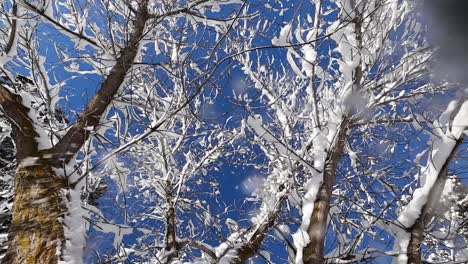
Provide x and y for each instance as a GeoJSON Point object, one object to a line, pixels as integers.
{"type": "Point", "coordinates": [17, 114]}
{"type": "Point", "coordinates": [416, 231]}
{"type": "Point", "coordinates": [255, 235]}
{"type": "Point", "coordinates": [185, 10]}
{"type": "Point", "coordinates": [289, 244]}
{"type": "Point", "coordinates": [78, 134]}
{"type": "Point", "coordinates": [57, 24]}
{"type": "Point", "coordinates": [12, 37]}
{"type": "Point", "coordinates": [383, 121]}
{"type": "Point", "coordinates": [415, 216]}
{"type": "Point", "coordinates": [197, 244]}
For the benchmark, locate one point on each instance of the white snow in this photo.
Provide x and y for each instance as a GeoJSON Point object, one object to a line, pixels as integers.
{"type": "Point", "coordinates": [74, 220]}
{"type": "Point", "coordinates": [28, 162]}
{"type": "Point", "coordinates": [301, 237]}
{"type": "Point", "coordinates": [442, 146]}
{"type": "Point", "coordinates": [284, 36]}
{"type": "Point", "coordinates": [310, 55]}
{"type": "Point", "coordinates": [75, 230]}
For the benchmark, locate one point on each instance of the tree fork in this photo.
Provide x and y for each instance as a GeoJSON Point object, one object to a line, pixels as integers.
{"type": "Point", "coordinates": [36, 234]}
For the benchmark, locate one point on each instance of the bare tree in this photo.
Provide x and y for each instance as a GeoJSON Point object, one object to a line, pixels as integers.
{"type": "Point", "coordinates": [365, 78]}
{"type": "Point", "coordinates": [143, 103]}
{"type": "Point", "coordinates": [112, 41]}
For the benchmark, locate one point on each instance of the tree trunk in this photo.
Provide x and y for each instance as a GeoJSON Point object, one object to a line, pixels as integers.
{"type": "Point", "coordinates": [250, 249]}
{"type": "Point", "coordinates": [171, 241]}
{"type": "Point", "coordinates": [414, 246]}
{"type": "Point", "coordinates": [313, 252]}
{"type": "Point", "coordinates": [37, 232]}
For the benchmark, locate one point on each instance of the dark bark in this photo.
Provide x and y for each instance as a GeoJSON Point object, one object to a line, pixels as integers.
{"type": "Point", "coordinates": [250, 247]}
{"type": "Point", "coordinates": [78, 134]}
{"type": "Point", "coordinates": [13, 36]}
{"type": "Point", "coordinates": [417, 237]}
{"type": "Point", "coordinates": [249, 250]}
{"type": "Point", "coordinates": [17, 115]}
{"type": "Point", "coordinates": [171, 242]}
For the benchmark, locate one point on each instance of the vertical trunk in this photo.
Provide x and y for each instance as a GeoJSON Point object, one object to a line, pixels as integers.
{"type": "Point", "coordinates": [36, 233]}
{"type": "Point", "coordinates": [170, 230]}
{"type": "Point", "coordinates": [313, 252]}
{"type": "Point", "coordinates": [171, 242]}
{"type": "Point", "coordinates": [414, 246]}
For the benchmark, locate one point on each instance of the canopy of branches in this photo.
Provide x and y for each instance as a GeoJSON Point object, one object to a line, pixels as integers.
{"type": "Point", "coordinates": [229, 131]}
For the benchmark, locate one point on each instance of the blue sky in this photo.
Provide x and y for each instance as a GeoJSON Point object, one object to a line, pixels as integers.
{"type": "Point", "coordinates": [232, 177]}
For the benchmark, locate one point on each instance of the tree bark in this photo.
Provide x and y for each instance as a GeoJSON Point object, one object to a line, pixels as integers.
{"type": "Point", "coordinates": [254, 235]}
{"type": "Point", "coordinates": [250, 249]}
{"type": "Point", "coordinates": [36, 233]}
{"type": "Point", "coordinates": [78, 133]}
{"type": "Point", "coordinates": [417, 237]}
{"type": "Point", "coordinates": [171, 241]}
{"type": "Point", "coordinates": [313, 252]}
{"type": "Point", "coordinates": [17, 115]}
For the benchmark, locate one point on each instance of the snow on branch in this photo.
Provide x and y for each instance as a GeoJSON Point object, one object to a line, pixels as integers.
{"type": "Point", "coordinates": [443, 146]}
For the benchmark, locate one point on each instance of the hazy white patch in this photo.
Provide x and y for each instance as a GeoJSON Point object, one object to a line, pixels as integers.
{"type": "Point", "coordinates": [251, 184]}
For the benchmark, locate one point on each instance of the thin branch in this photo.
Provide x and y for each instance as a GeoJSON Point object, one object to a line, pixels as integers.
{"type": "Point", "coordinates": [57, 24]}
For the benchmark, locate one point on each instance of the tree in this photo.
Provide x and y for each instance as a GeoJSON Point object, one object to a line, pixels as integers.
{"type": "Point", "coordinates": [111, 40]}
{"type": "Point", "coordinates": [363, 79]}
{"type": "Point", "coordinates": [7, 153]}
{"type": "Point", "coordinates": [330, 108]}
